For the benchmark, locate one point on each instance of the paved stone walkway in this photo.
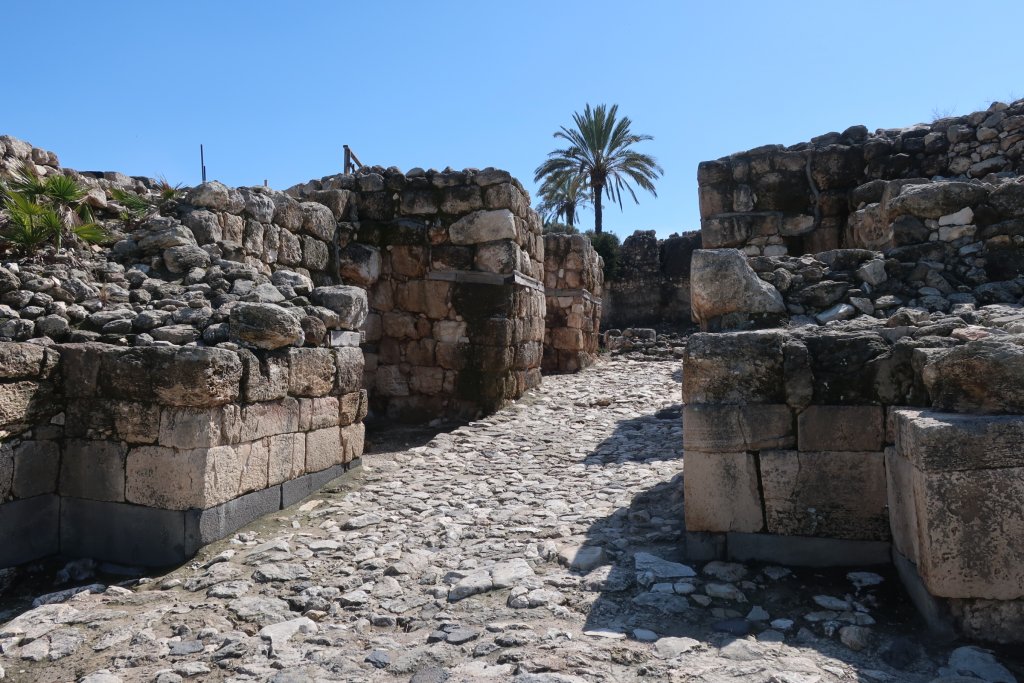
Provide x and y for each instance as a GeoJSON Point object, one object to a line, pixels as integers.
{"type": "Point", "coordinates": [540, 544]}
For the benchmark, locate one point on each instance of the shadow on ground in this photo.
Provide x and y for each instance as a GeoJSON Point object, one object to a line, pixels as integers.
{"type": "Point", "coordinates": [898, 644]}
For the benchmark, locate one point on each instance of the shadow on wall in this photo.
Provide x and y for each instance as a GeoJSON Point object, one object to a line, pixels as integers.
{"type": "Point", "coordinates": [645, 582]}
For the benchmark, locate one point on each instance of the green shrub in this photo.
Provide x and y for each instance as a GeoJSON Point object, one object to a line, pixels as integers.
{"type": "Point", "coordinates": [607, 245]}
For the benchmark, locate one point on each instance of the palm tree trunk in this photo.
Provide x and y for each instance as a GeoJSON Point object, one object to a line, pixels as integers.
{"type": "Point", "coordinates": [598, 214]}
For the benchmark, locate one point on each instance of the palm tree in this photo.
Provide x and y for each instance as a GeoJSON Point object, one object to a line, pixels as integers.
{"type": "Point", "coordinates": [561, 196]}
{"type": "Point", "coordinates": [599, 152]}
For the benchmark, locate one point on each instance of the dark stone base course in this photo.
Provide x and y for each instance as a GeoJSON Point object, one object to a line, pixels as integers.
{"type": "Point", "coordinates": [801, 551]}
{"type": "Point", "coordinates": [934, 611]}
{"type": "Point", "coordinates": [136, 535]}
{"type": "Point", "coordinates": [28, 529]}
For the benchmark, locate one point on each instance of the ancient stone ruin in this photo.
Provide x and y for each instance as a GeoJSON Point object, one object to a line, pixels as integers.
{"type": "Point", "coordinates": [852, 399]}
{"type": "Point", "coordinates": [871, 411]}
{"type": "Point", "coordinates": [217, 362]}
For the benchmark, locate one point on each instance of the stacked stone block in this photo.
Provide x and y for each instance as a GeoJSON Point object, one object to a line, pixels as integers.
{"type": "Point", "coordinates": [777, 200]}
{"type": "Point", "coordinates": [142, 455]}
{"type": "Point", "coordinates": [452, 262]}
{"type": "Point", "coordinates": [652, 284]}
{"type": "Point", "coordinates": [573, 282]}
{"type": "Point", "coordinates": [850, 447]}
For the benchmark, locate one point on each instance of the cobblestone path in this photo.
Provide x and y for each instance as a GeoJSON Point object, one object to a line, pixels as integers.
{"type": "Point", "coordinates": [542, 544]}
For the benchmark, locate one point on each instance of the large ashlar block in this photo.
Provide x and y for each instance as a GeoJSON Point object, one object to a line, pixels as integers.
{"type": "Point", "coordinates": [947, 441]}
{"type": "Point", "coordinates": [350, 364]}
{"type": "Point", "coordinates": [353, 438]}
{"type": "Point", "coordinates": [21, 361]}
{"type": "Point", "coordinates": [287, 457]}
{"type": "Point", "coordinates": [177, 376]}
{"type": "Point", "coordinates": [135, 422]}
{"type": "Point", "coordinates": [841, 428]}
{"type": "Point", "coordinates": [264, 377]}
{"type": "Point", "coordinates": [323, 449]}
{"type": "Point", "coordinates": [732, 428]}
{"type": "Point", "coordinates": [93, 470]}
{"type": "Point", "coordinates": [23, 402]}
{"type": "Point", "coordinates": [318, 413]}
{"type": "Point", "coordinates": [311, 372]}
{"type": "Point", "coordinates": [720, 492]}
{"type": "Point", "coordinates": [36, 464]}
{"type": "Point", "coordinates": [899, 476]}
{"type": "Point", "coordinates": [176, 479]}
{"type": "Point", "coordinates": [971, 526]}
{"type": "Point", "coordinates": [187, 428]}
{"type": "Point", "coordinates": [483, 226]}
{"type": "Point", "coordinates": [734, 368]}
{"type": "Point", "coordinates": [828, 493]}
{"type": "Point", "coordinates": [270, 418]}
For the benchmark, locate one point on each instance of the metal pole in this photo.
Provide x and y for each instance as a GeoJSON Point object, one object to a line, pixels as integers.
{"type": "Point", "coordinates": [348, 159]}
{"type": "Point", "coordinates": [202, 161]}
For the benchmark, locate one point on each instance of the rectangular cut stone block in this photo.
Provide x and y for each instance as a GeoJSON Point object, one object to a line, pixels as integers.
{"type": "Point", "coordinates": [178, 376]}
{"type": "Point", "coordinates": [318, 413]}
{"type": "Point", "coordinates": [264, 377]}
{"type": "Point", "coordinates": [128, 421]}
{"type": "Point", "coordinates": [254, 460]}
{"type": "Point", "coordinates": [36, 464]}
{"type": "Point", "coordinates": [21, 361]}
{"type": "Point", "coordinates": [841, 428]}
{"type": "Point", "coordinates": [947, 441]}
{"type": "Point", "coordinates": [834, 494]}
{"type": "Point", "coordinates": [29, 529]}
{"type": "Point", "coordinates": [734, 368]}
{"type": "Point", "coordinates": [181, 479]}
{"type": "Point", "coordinates": [350, 369]}
{"type": "Point", "coordinates": [287, 457]}
{"type": "Point", "coordinates": [720, 492]}
{"type": "Point", "coordinates": [348, 407]}
{"type": "Point", "coordinates": [80, 367]}
{"type": "Point", "coordinates": [196, 427]}
{"type": "Point", "coordinates": [270, 418]}
{"type": "Point", "coordinates": [971, 532]}
{"type": "Point", "coordinates": [23, 402]}
{"type": "Point", "coordinates": [732, 428]}
{"type": "Point", "coordinates": [117, 532]}
{"type": "Point", "coordinates": [311, 372]}
{"type": "Point", "coordinates": [353, 438]}
{"type": "Point", "coordinates": [323, 449]}
{"type": "Point", "coordinates": [93, 470]}
{"type": "Point", "coordinates": [899, 476]}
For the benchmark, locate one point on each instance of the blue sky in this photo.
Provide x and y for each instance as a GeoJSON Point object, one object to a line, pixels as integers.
{"type": "Point", "coordinates": [273, 89]}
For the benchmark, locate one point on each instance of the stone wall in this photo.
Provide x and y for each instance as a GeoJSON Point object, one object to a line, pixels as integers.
{"type": "Point", "coordinates": [573, 284]}
{"type": "Point", "coordinates": [652, 286]}
{"type": "Point", "coordinates": [452, 262]}
{"type": "Point", "coordinates": [777, 200]}
{"type": "Point", "coordinates": [205, 367]}
{"type": "Point", "coordinates": [863, 441]}
{"type": "Point", "coordinates": [141, 455]}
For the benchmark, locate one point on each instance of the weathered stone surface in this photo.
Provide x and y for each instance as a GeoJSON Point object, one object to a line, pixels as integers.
{"type": "Point", "coordinates": [800, 497]}
{"type": "Point", "coordinates": [841, 428]}
{"type": "Point", "coordinates": [721, 492]}
{"type": "Point", "coordinates": [983, 376]}
{"type": "Point", "coordinates": [348, 302]}
{"type": "Point", "coordinates": [936, 441]}
{"type": "Point", "coordinates": [734, 368]}
{"type": "Point", "coordinates": [311, 372]}
{"type": "Point", "coordinates": [934, 200]}
{"type": "Point", "coordinates": [732, 428]}
{"type": "Point", "coordinates": [93, 470]}
{"type": "Point", "coordinates": [722, 283]}
{"type": "Point", "coordinates": [483, 226]}
{"type": "Point", "coordinates": [323, 449]}
{"type": "Point", "coordinates": [181, 479]}
{"type": "Point", "coordinates": [186, 376]}
{"type": "Point", "coordinates": [264, 326]}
